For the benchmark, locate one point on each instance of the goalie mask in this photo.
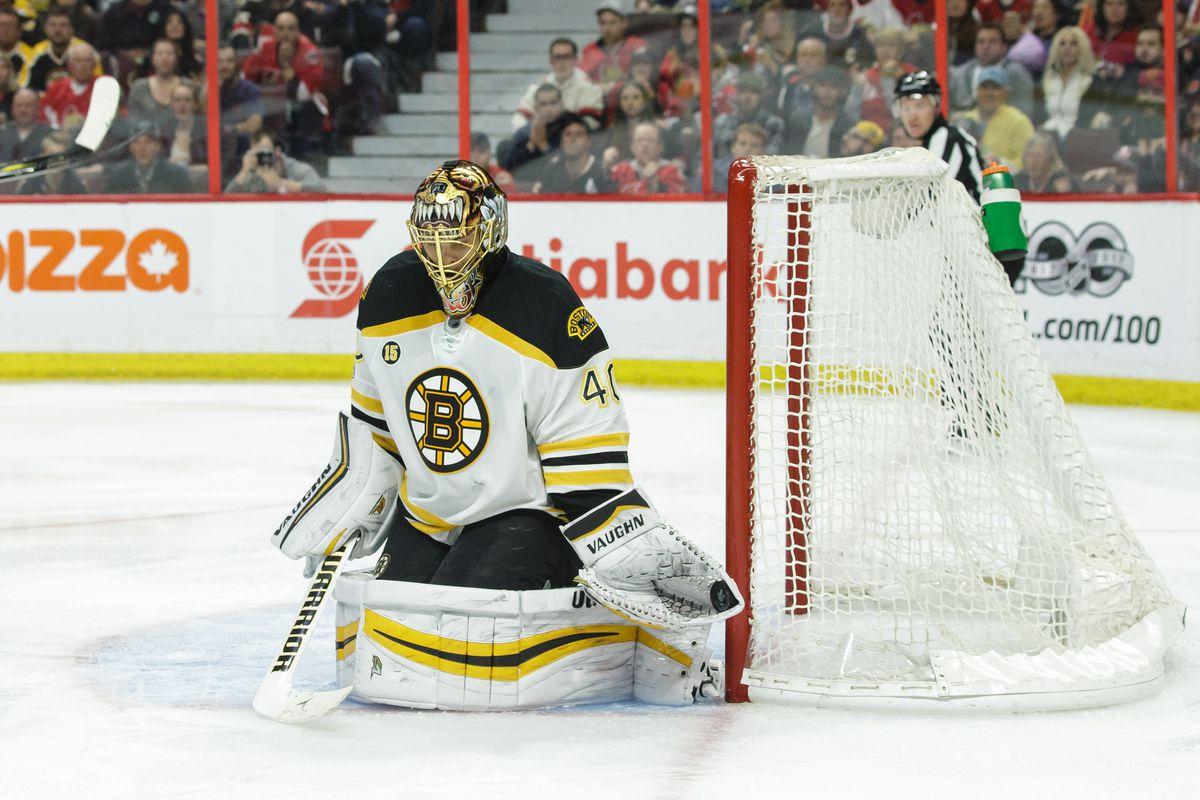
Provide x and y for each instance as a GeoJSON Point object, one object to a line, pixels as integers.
{"type": "Point", "coordinates": [459, 217]}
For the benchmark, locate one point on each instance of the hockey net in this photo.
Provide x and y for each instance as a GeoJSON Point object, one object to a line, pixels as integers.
{"type": "Point", "coordinates": [911, 509]}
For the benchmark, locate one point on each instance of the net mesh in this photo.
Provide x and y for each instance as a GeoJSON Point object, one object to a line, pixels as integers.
{"type": "Point", "coordinates": [917, 483]}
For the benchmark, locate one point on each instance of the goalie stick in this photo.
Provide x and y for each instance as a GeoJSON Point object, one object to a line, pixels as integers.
{"type": "Point", "coordinates": [275, 698]}
{"type": "Point", "coordinates": [106, 96]}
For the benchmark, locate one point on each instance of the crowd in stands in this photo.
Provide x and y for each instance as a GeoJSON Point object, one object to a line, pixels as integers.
{"type": "Point", "coordinates": [297, 79]}
{"type": "Point", "coordinates": [1069, 94]}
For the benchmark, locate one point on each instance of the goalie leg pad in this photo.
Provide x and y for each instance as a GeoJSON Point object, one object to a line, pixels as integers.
{"type": "Point", "coordinates": [456, 648]}
{"type": "Point", "coordinates": [354, 493]}
{"type": "Point", "coordinates": [675, 668]}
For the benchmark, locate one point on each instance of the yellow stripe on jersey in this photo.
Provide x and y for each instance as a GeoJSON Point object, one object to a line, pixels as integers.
{"type": "Point", "coordinates": [422, 520]}
{"type": "Point", "coordinates": [406, 325]}
{"type": "Point", "coordinates": [494, 661]}
{"type": "Point", "coordinates": [371, 404]}
{"type": "Point", "coordinates": [386, 443]}
{"type": "Point", "coordinates": [601, 440]}
{"type": "Point", "coordinates": [509, 339]}
{"type": "Point", "coordinates": [589, 477]}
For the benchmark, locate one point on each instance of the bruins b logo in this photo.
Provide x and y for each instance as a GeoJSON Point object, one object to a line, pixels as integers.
{"type": "Point", "coordinates": [448, 419]}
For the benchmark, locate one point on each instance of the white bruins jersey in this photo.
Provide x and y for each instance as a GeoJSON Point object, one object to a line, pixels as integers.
{"type": "Point", "coordinates": [514, 406]}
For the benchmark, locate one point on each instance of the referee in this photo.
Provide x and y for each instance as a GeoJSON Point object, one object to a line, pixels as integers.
{"type": "Point", "coordinates": [918, 107]}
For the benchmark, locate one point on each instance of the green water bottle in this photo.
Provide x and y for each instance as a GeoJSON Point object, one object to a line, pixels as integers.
{"type": "Point", "coordinates": [1001, 207]}
{"type": "Point", "coordinates": [1001, 204]}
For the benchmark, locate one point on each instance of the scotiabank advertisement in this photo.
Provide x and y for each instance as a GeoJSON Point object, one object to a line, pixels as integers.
{"type": "Point", "coordinates": [1110, 289]}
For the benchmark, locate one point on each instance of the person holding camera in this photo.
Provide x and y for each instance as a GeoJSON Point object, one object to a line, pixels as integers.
{"type": "Point", "coordinates": [266, 170]}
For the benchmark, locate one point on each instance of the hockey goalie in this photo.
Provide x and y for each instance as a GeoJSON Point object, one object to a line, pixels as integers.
{"type": "Point", "coordinates": [485, 454]}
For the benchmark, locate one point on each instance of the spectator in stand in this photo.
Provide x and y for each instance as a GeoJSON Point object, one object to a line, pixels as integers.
{"type": "Point", "coordinates": [48, 58]}
{"type": "Point", "coordinates": [66, 101]}
{"type": "Point", "coordinates": [1123, 176]}
{"type": "Point", "coordinates": [83, 17]}
{"type": "Point", "coordinates": [606, 60]}
{"type": "Point", "coordinates": [1116, 86]}
{"type": "Point", "coordinates": [1066, 81]}
{"type": "Point", "coordinates": [1043, 171]}
{"type": "Point", "coordinates": [260, 15]}
{"type": "Point", "coordinates": [865, 137]}
{"type": "Point", "coordinates": [643, 70]}
{"type": "Point", "coordinates": [633, 107]}
{"type": "Point", "coordinates": [8, 88]}
{"type": "Point", "coordinates": [579, 95]}
{"type": "Point", "coordinates": [647, 172]}
{"type": "Point", "coordinates": [186, 133]}
{"type": "Point", "coordinates": [289, 69]}
{"type": "Point", "coordinates": [21, 137]}
{"type": "Point", "coordinates": [360, 30]}
{"type": "Point", "coordinates": [58, 181]}
{"type": "Point", "coordinates": [410, 35]}
{"type": "Point", "coordinates": [266, 170]}
{"type": "Point", "coordinates": [1000, 128]}
{"type": "Point", "coordinates": [963, 27]}
{"type": "Point", "coordinates": [174, 26]}
{"type": "Point", "coordinates": [990, 52]}
{"type": "Point", "coordinates": [996, 10]}
{"type": "Point", "coordinates": [1045, 20]}
{"type": "Point", "coordinates": [748, 107]}
{"type": "Point", "coordinates": [879, 82]}
{"type": "Point", "coordinates": [819, 134]}
{"type": "Point", "coordinates": [1113, 30]}
{"type": "Point", "coordinates": [679, 72]}
{"type": "Point", "coordinates": [537, 138]}
{"type": "Point", "coordinates": [748, 140]}
{"type": "Point", "coordinates": [481, 154]}
{"type": "Point", "coordinates": [573, 168]}
{"type": "Point", "coordinates": [795, 96]}
{"type": "Point", "coordinates": [875, 15]}
{"type": "Point", "coordinates": [15, 51]}
{"type": "Point", "coordinates": [241, 110]}
{"type": "Point", "coordinates": [1189, 147]}
{"type": "Point", "coordinates": [846, 43]}
{"type": "Point", "coordinates": [150, 98]}
{"type": "Point", "coordinates": [146, 171]}
{"type": "Point", "coordinates": [129, 27]}
{"type": "Point", "coordinates": [916, 12]}
{"type": "Point", "coordinates": [768, 43]}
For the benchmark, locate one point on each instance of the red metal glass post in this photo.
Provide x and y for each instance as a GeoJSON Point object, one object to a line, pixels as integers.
{"type": "Point", "coordinates": [463, 20]}
{"type": "Point", "coordinates": [704, 23]}
{"type": "Point", "coordinates": [213, 100]}
{"type": "Point", "coordinates": [941, 53]}
{"type": "Point", "coordinates": [1170, 83]}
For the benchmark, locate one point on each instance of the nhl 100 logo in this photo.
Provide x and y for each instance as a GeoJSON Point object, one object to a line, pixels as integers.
{"type": "Point", "coordinates": [1096, 262]}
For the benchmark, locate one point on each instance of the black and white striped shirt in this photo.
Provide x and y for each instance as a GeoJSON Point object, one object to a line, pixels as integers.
{"type": "Point", "coordinates": [959, 150]}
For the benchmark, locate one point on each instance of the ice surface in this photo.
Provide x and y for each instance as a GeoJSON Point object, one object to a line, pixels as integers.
{"type": "Point", "coordinates": [140, 603]}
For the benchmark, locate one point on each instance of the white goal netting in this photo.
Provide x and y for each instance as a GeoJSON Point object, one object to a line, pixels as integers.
{"type": "Point", "coordinates": [925, 519]}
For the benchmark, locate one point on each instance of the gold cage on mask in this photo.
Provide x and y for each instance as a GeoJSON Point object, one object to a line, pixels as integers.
{"type": "Point", "coordinates": [451, 255]}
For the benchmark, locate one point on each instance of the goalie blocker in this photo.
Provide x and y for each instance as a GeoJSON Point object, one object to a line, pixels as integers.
{"type": "Point", "coordinates": [353, 494]}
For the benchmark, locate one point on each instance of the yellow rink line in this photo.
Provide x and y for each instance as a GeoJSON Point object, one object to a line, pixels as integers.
{"type": "Point", "coordinates": [1179, 395]}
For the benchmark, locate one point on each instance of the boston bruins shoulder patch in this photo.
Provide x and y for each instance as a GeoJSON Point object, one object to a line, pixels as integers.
{"type": "Point", "coordinates": [581, 323]}
{"type": "Point", "coordinates": [448, 419]}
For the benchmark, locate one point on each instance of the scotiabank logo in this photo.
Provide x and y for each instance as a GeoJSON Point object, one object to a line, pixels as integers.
{"type": "Point", "coordinates": [48, 260]}
{"type": "Point", "coordinates": [332, 267]}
